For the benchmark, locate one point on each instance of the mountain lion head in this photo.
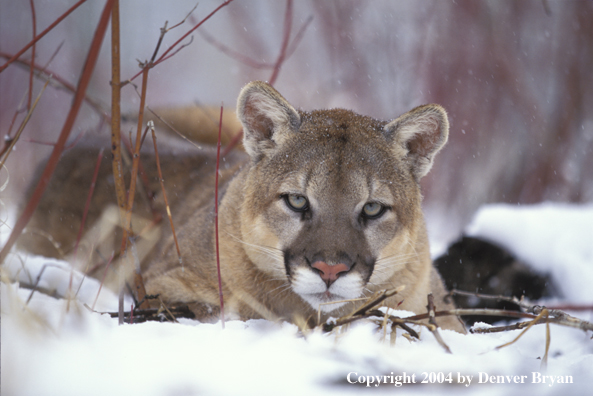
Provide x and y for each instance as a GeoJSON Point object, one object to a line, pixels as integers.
{"type": "Point", "coordinates": [332, 199]}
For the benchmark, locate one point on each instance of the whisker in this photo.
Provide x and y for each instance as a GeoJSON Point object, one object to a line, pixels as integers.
{"type": "Point", "coordinates": [282, 288]}
{"type": "Point", "coordinates": [270, 251]}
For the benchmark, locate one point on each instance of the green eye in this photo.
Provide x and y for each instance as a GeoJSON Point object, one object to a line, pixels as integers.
{"type": "Point", "coordinates": [298, 203]}
{"type": "Point", "coordinates": [373, 210]}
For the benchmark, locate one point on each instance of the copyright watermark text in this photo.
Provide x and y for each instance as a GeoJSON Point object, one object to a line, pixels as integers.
{"type": "Point", "coordinates": [456, 378]}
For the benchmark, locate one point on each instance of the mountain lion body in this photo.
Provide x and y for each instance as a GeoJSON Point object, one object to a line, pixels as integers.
{"type": "Point", "coordinates": [325, 207]}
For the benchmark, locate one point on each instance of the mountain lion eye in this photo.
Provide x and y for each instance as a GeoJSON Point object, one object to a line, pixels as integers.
{"type": "Point", "coordinates": [373, 210]}
{"type": "Point", "coordinates": [298, 203]}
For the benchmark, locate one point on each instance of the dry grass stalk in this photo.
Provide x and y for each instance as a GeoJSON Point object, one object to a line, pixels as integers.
{"type": "Point", "coordinates": [162, 181]}
{"type": "Point", "coordinates": [544, 314]}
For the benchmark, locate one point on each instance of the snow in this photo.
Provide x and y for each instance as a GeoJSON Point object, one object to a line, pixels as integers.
{"type": "Point", "coordinates": [553, 238]}
{"type": "Point", "coordinates": [56, 346]}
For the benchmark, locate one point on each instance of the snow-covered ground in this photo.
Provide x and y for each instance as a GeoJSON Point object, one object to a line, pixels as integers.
{"type": "Point", "coordinates": [57, 347]}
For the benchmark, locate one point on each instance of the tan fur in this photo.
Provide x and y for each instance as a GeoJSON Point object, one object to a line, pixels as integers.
{"type": "Point", "coordinates": [270, 253]}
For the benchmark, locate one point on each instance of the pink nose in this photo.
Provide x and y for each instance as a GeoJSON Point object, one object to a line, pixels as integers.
{"type": "Point", "coordinates": [329, 273]}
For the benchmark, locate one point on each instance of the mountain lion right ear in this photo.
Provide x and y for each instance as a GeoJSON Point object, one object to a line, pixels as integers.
{"type": "Point", "coordinates": [266, 117]}
{"type": "Point", "coordinates": [418, 135]}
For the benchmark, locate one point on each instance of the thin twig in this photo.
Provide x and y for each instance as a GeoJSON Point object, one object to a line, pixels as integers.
{"type": "Point", "coordinates": [513, 300]}
{"type": "Point", "coordinates": [160, 40]}
{"type": "Point", "coordinates": [153, 314]}
{"type": "Point", "coordinates": [191, 40]}
{"type": "Point", "coordinates": [363, 311]}
{"type": "Point", "coordinates": [164, 56]}
{"type": "Point", "coordinates": [173, 128]}
{"type": "Point", "coordinates": [164, 31]}
{"type": "Point", "coordinates": [376, 299]}
{"type": "Point", "coordinates": [498, 329]}
{"type": "Point", "coordinates": [186, 17]}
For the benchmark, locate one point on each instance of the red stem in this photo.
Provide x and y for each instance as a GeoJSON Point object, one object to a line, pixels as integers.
{"type": "Point", "coordinates": [85, 77]}
{"type": "Point", "coordinates": [88, 200]}
{"type": "Point", "coordinates": [36, 39]}
{"type": "Point", "coordinates": [216, 219]}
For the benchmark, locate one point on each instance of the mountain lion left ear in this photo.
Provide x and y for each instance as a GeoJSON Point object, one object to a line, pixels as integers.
{"type": "Point", "coordinates": [418, 135]}
{"type": "Point", "coordinates": [266, 117]}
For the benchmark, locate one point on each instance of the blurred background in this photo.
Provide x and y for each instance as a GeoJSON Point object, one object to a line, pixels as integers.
{"type": "Point", "coordinates": [515, 77]}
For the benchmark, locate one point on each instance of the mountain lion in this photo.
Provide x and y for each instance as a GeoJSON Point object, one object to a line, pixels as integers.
{"type": "Point", "coordinates": [325, 207]}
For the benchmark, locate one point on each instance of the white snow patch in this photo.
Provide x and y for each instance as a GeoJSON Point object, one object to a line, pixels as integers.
{"type": "Point", "coordinates": [552, 238]}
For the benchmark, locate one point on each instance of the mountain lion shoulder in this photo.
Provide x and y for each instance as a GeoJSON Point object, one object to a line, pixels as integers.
{"type": "Point", "coordinates": [325, 207]}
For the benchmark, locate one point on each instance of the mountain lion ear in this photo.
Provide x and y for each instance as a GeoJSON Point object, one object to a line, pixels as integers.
{"type": "Point", "coordinates": [419, 135]}
{"type": "Point", "coordinates": [266, 117]}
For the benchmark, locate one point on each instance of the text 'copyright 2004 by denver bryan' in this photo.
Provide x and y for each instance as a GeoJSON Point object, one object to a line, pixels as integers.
{"type": "Point", "coordinates": [456, 378]}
